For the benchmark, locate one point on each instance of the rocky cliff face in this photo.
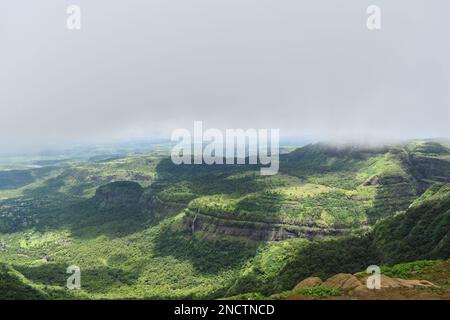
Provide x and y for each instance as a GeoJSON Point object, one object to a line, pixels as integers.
{"type": "Point", "coordinates": [119, 193]}
{"type": "Point", "coordinates": [255, 231]}
{"type": "Point", "coordinates": [324, 192]}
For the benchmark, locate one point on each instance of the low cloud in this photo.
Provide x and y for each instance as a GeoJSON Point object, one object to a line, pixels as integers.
{"type": "Point", "coordinates": [145, 68]}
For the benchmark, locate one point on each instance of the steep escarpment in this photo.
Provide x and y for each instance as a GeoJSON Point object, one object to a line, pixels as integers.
{"type": "Point", "coordinates": [422, 232]}
{"type": "Point", "coordinates": [322, 191]}
{"type": "Point", "coordinates": [119, 193]}
{"type": "Point", "coordinates": [211, 226]}
{"type": "Point", "coordinates": [427, 162]}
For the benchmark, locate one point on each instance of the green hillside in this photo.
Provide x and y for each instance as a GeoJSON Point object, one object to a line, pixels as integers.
{"type": "Point", "coordinates": [140, 227]}
{"type": "Point", "coordinates": [423, 231]}
{"type": "Point", "coordinates": [13, 285]}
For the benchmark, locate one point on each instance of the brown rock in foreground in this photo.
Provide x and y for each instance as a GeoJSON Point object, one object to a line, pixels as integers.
{"type": "Point", "coordinates": [435, 287]}
{"type": "Point", "coordinates": [309, 282]}
{"type": "Point", "coordinates": [343, 281]}
{"type": "Point", "coordinates": [390, 283]}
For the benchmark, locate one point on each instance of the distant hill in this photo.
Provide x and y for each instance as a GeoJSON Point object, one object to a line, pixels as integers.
{"type": "Point", "coordinates": [13, 179]}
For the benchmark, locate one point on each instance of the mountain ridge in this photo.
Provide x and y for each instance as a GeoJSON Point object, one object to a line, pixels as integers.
{"type": "Point", "coordinates": [140, 227]}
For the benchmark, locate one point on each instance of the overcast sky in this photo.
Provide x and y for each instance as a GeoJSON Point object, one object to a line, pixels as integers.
{"type": "Point", "coordinates": [144, 68]}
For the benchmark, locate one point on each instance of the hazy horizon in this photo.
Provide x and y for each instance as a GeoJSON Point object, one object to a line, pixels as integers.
{"type": "Point", "coordinates": [141, 144]}
{"type": "Point", "coordinates": [144, 68]}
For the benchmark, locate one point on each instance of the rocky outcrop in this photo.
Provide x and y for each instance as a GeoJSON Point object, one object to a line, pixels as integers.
{"type": "Point", "coordinates": [355, 287]}
{"type": "Point", "coordinates": [309, 283]}
{"type": "Point", "coordinates": [342, 281]}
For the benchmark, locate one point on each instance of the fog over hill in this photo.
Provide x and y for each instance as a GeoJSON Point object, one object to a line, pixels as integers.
{"type": "Point", "coordinates": [144, 68]}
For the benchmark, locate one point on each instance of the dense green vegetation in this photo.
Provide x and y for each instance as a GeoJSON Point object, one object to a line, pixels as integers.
{"type": "Point", "coordinates": [140, 227]}
{"type": "Point", "coordinates": [420, 232]}
{"type": "Point", "coordinates": [13, 285]}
